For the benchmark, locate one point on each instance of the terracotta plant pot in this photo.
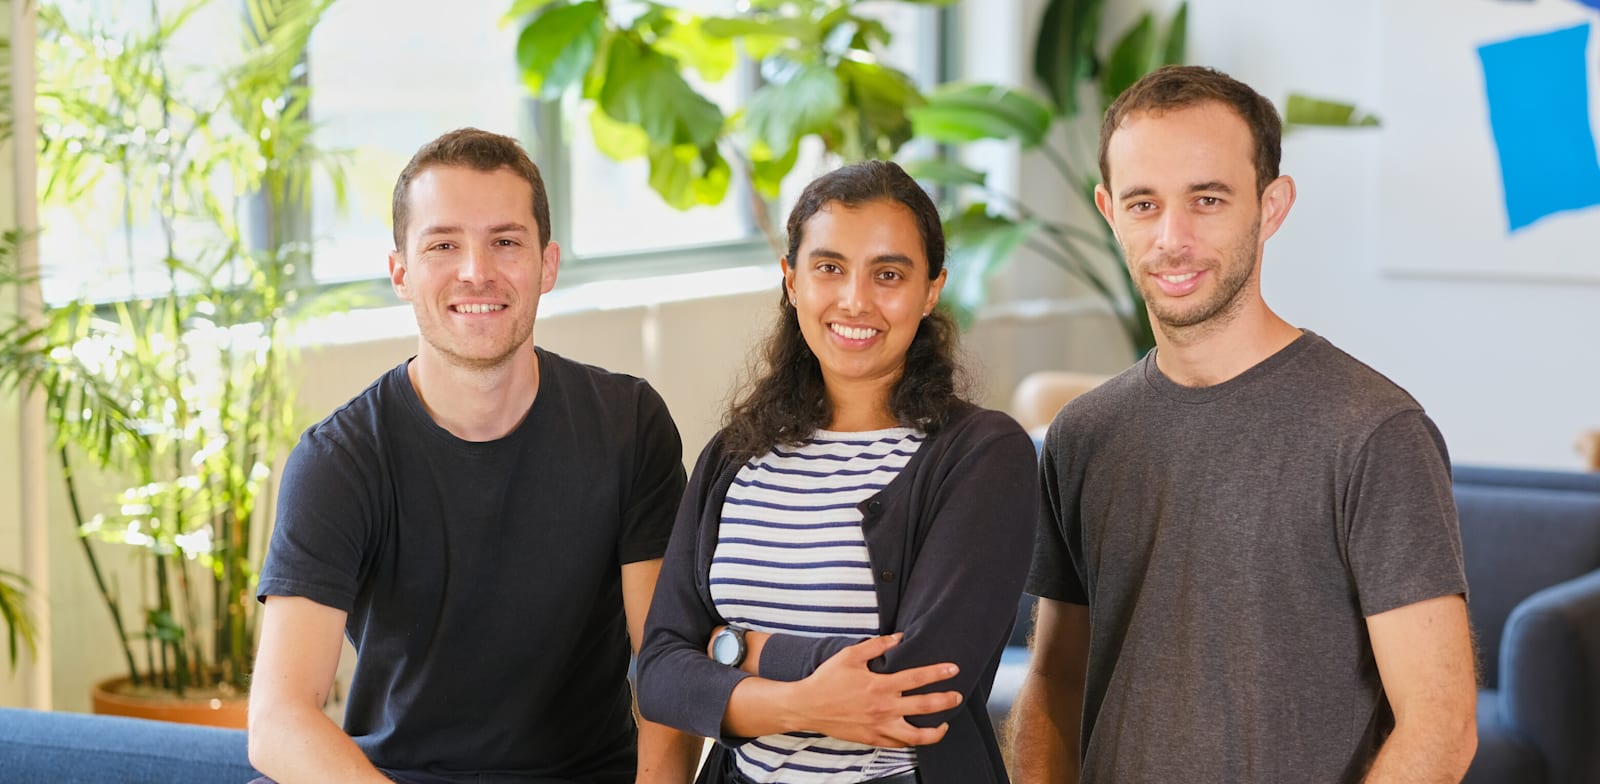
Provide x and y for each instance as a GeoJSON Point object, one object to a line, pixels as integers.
{"type": "Point", "coordinates": [109, 699]}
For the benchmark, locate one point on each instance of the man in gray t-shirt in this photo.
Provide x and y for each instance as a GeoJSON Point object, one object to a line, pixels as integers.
{"type": "Point", "coordinates": [1248, 562]}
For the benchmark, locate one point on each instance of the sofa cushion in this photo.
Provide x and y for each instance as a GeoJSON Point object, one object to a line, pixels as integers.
{"type": "Point", "coordinates": [42, 747]}
{"type": "Point", "coordinates": [1503, 754]}
{"type": "Point", "coordinates": [1517, 541]}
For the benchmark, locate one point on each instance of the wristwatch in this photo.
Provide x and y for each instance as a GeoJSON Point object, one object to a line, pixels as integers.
{"type": "Point", "coordinates": [728, 646]}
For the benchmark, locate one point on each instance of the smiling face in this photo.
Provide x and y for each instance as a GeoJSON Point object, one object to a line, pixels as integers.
{"type": "Point", "coordinates": [472, 266]}
{"type": "Point", "coordinates": [1183, 204]}
{"type": "Point", "coordinates": [860, 287]}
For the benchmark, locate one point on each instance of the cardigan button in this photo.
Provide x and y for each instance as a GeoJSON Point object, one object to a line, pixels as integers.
{"type": "Point", "coordinates": [874, 506]}
{"type": "Point", "coordinates": [886, 575]}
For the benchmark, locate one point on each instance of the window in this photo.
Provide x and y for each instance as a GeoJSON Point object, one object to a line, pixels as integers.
{"type": "Point", "coordinates": [387, 76]}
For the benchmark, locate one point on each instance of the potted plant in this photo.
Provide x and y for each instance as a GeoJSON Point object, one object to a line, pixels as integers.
{"type": "Point", "coordinates": [179, 400]}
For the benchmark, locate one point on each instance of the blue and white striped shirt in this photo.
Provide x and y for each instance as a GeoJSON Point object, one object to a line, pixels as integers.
{"type": "Point", "coordinates": [791, 558]}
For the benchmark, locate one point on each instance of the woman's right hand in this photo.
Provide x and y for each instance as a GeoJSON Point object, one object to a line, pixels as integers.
{"type": "Point", "coordinates": [846, 700]}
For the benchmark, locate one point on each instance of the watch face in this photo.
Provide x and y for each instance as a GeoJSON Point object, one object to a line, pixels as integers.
{"type": "Point", "coordinates": [725, 649]}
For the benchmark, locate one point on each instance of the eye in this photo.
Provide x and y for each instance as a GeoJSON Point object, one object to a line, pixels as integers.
{"type": "Point", "coordinates": [829, 268]}
{"type": "Point", "coordinates": [442, 246]}
{"type": "Point", "coordinates": [890, 274]}
{"type": "Point", "coordinates": [1208, 201]}
{"type": "Point", "coordinates": [1141, 206]}
{"type": "Point", "coordinates": [506, 242]}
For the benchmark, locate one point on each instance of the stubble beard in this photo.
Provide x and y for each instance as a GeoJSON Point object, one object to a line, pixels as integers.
{"type": "Point", "coordinates": [1185, 322]}
{"type": "Point", "coordinates": [449, 346]}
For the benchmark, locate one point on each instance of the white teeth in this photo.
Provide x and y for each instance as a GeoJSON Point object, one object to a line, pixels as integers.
{"type": "Point", "coordinates": [853, 333]}
{"type": "Point", "coordinates": [478, 308]}
{"type": "Point", "coordinates": [1178, 278]}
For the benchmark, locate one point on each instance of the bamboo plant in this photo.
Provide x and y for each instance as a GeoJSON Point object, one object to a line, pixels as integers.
{"type": "Point", "coordinates": [179, 400]}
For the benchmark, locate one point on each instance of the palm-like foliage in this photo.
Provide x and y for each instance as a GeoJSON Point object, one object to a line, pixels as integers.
{"type": "Point", "coordinates": [182, 394]}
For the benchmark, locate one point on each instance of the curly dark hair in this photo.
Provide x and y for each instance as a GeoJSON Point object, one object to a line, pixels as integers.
{"type": "Point", "coordinates": [787, 400]}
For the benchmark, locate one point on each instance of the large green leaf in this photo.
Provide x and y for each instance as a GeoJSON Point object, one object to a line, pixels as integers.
{"type": "Point", "coordinates": [1130, 60]}
{"type": "Point", "coordinates": [687, 41]}
{"type": "Point", "coordinates": [1176, 47]}
{"type": "Point", "coordinates": [804, 32]}
{"type": "Point", "coordinates": [959, 113]}
{"type": "Point", "coordinates": [619, 141]}
{"type": "Point", "coordinates": [557, 48]}
{"type": "Point", "coordinates": [1303, 110]}
{"type": "Point", "coordinates": [944, 172]}
{"type": "Point", "coordinates": [767, 171]}
{"type": "Point", "coordinates": [781, 112]}
{"type": "Point", "coordinates": [686, 176]}
{"type": "Point", "coordinates": [645, 88]}
{"type": "Point", "coordinates": [1064, 54]}
{"type": "Point", "coordinates": [980, 245]}
{"type": "Point", "coordinates": [883, 98]}
{"type": "Point", "coordinates": [522, 8]}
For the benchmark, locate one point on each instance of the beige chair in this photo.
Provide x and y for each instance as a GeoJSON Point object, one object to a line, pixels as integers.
{"type": "Point", "coordinates": [1040, 395]}
{"type": "Point", "coordinates": [1589, 446]}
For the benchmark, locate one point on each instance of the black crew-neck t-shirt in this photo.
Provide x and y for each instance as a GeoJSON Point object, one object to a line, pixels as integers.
{"type": "Point", "coordinates": [483, 579]}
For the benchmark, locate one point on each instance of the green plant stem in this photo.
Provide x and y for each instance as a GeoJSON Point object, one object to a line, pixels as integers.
{"type": "Point", "coordinates": [94, 566]}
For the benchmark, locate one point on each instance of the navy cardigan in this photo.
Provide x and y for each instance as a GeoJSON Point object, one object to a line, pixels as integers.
{"type": "Point", "coordinates": [950, 539]}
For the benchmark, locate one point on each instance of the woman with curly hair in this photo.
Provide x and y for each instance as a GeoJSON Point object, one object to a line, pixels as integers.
{"type": "Point", "coordinates": [847, 559]}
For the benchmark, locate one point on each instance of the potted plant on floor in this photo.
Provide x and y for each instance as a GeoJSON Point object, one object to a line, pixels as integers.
{"type": "Point", "coordinates": [171, 403]}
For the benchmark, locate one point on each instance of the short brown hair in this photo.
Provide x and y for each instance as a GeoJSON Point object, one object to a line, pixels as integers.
{"type": "Point", "coordinates": [1176, 87]}
{"type": "Point", "coordinates": [475, 149]}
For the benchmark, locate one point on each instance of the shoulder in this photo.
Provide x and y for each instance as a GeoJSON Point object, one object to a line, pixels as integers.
{"type": "Point", "coordinates": [1343, 387]}
{"type": "Point", "coordinates": [1100, 406]}
{"type": "Point", "coordinates": [585, 381]}
{"type": "Point", "coordinates": [971, 428]}
{"type": "Point", "coordinates": [363, 421]}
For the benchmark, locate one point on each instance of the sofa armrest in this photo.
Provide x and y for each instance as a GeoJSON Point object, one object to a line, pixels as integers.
{"type": "Point", "coordinates": [42, 747]}
{"type": "Point", "coordinates": [1550, 675]}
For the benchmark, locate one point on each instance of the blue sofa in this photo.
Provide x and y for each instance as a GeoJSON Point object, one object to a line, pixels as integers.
{"type": "Point", "coordinates": [41, 747]}
{"type": "Point", "coordinates": [1531, 541]}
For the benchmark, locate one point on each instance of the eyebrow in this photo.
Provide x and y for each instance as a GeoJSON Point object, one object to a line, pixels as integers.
{"type": "Point", "coordinates": [1214, 186]}
{"type": "Point", "coordinates": [501, 228]}
{"type": "Point", "coordinates": [889, 258]}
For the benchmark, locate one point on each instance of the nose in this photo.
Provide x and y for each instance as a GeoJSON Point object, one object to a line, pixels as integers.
{"type": "Point", "coordinates": [1174, 232]}
{"type": "Point", "coordinates": [854, 295]}
{"type": "Point", "coordinates": [475, 265]}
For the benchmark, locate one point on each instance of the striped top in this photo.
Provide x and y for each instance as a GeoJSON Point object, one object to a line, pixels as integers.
{"type": "Point", "coordinates": [791, 558]}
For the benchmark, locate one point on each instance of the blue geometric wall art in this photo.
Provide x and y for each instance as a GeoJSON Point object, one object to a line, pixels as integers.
{"type": "Point", "coordinates": [1538, 94]}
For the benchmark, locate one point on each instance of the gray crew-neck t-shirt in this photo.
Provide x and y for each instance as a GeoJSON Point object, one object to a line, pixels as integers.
{"type": "Point", "coordinates": [1230, 542]}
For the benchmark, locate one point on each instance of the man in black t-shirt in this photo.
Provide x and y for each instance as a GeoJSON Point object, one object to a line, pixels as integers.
{"type": "Point", "coordinates": [1248, 560]}
{"type": "Point", "coordinates": [485, 522]}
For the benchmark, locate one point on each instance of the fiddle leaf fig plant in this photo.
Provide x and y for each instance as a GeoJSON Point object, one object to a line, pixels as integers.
{"type": "Point", "coordinates": [636, 72]}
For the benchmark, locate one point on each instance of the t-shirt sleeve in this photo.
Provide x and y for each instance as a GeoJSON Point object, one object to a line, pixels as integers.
{"type": "Point", "coordinates": [324, 515]}
{"type": "Point", "coordinates": [657, 483]}
{"type": "Point", "coordinates": [1404, 542]}
{"type": "Point", "coordinates": [1054, 573]}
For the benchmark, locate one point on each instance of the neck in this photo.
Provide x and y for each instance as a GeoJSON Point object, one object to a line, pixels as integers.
{"type": "Point", "coordinates": [476, 403]}
{"type": "Point", "coordinates": [1208, 354]}
{"type": "Point", "coordinates": [861, 406]}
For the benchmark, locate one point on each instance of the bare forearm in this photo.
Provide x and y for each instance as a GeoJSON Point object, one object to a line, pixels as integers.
{"type": "Point", "coordinates": [292, 745]}
{"type": "Point", "coordinates": [1424, 753]}
{"type": "Point", "coordinates": [760, 707]}
{"type": "Point", "coordinates": [666, 756]}
{"type": "Point", "coordinates": [1044, 728]}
